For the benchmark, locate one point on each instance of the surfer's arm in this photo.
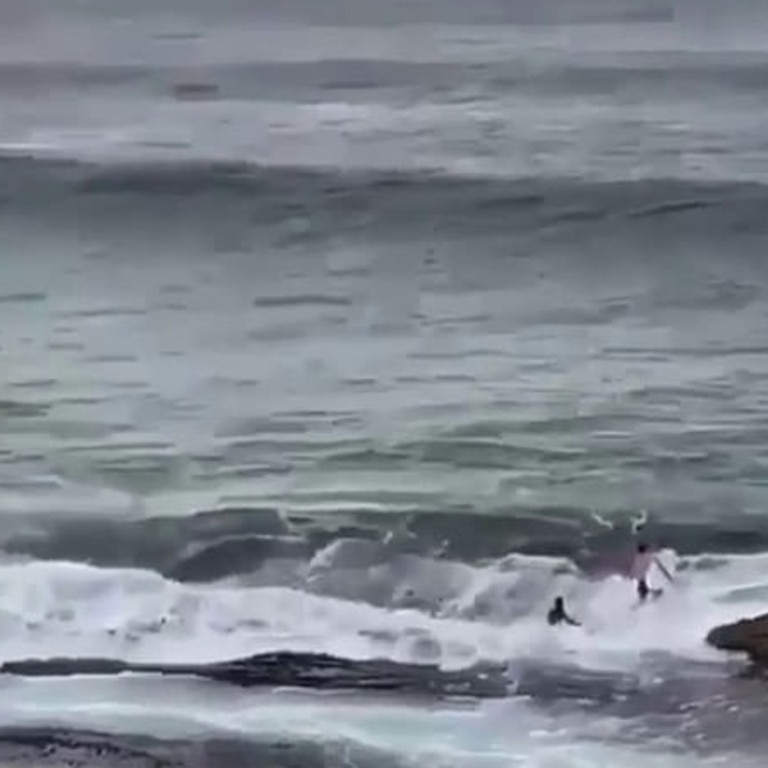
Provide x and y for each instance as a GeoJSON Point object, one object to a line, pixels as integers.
{"type": "Point", "coordinates": [569, 620]}
{"type": "Point", "coordinates": [664, 570]}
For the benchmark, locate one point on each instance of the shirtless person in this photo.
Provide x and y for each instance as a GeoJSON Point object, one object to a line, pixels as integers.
{"type": "Point", "coordinates": [641, 564]}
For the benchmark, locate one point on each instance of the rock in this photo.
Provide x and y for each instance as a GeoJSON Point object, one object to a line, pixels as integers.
{"type": "Point", "coordinates": [748, 636]}
{"type": "Point", "coordinates": [62, 747]}
{"type": "Point", "coordinates": [296, 670]}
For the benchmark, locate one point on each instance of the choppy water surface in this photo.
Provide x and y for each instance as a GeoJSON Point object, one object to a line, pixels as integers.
{"type": "Point", "coordinates": [334, 326]}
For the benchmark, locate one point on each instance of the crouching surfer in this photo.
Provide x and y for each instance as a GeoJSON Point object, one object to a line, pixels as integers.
{"type": "Point", "coordinates": [641, 564]}
{"type": "Point", "coordinates": [558, 615]}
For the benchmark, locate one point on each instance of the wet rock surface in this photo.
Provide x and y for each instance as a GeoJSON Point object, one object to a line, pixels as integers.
{"type": "Point", "coordinates": [749, 636]}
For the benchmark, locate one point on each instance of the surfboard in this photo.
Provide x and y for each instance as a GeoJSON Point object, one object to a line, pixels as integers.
{"type": "Point", "coordinates": [654, 594]}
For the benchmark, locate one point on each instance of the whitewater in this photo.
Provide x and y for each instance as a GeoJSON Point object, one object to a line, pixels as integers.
{"type": "Point", "coordinates": [567, 708]}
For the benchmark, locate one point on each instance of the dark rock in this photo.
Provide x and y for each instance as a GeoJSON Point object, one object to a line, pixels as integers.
{"type": "Point", "coordinates": [748, 636]}
{"type": "Point", "coordinates": [298, 670]}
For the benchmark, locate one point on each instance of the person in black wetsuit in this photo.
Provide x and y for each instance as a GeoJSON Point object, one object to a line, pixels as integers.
{"type": "Point", "coordinates": [557, 614]}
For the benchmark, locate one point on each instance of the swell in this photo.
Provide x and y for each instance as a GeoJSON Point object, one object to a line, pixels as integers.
{"type": "Point", "coordinates": [435, 200]}
{"type": "Point", "coordinates": [663, 75]}
{"type": "Point", "coordinates": [217, 544]}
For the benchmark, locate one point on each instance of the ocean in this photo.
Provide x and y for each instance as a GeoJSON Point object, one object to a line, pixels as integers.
{"type": "Point", "coordinates": [366, 328]}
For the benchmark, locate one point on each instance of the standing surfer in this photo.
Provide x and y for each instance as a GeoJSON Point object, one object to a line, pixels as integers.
{"type": "Point", "coordinates": [641, 564]}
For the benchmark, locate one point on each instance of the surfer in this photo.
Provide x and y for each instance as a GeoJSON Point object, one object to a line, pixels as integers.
{"type": "Point", "coordinates": [558, 615]}
{"type": "Point", "coordinates": [641, 564]}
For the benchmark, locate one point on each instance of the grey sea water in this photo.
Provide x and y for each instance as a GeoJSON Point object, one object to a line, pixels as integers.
{"type": "Point", "coordinates": [335, 325]}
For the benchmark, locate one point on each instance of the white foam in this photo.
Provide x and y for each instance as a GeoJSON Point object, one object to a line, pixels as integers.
{"type": "Point", "coordinates": [58, 608]}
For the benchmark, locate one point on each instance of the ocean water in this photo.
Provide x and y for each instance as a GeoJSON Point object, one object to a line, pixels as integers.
{"type": "Point", "coordinates": [367, 328]}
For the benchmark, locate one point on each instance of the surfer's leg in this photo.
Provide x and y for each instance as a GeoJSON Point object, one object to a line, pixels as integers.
{"type": "Point", "coordinates": [642, 589]}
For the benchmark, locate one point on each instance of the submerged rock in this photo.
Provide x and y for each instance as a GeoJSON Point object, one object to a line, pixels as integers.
{"type": "Point", "coordinates": [748, 636]}
{"type": "Point", "coordinates": [298, 670]}
{"type": "Point", "coordinates": [31, 747]}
